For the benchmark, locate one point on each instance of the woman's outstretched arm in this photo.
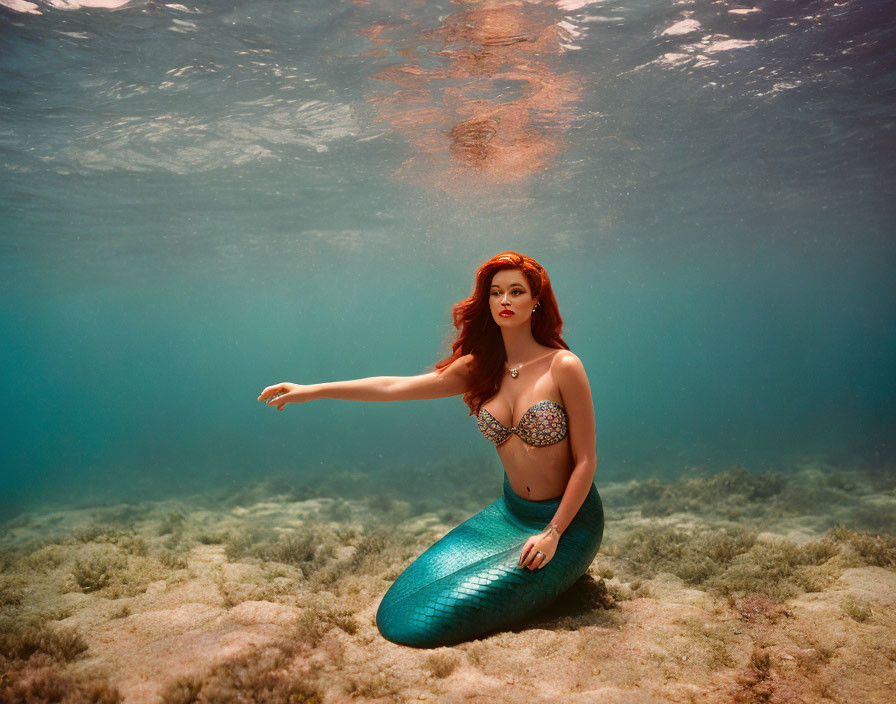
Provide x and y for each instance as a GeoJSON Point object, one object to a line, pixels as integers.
{"type": "Point", "coordinates": [448, 381]}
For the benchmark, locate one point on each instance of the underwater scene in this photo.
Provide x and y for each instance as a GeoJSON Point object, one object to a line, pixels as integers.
{"type": "Point", "coordinates": [202, 199]}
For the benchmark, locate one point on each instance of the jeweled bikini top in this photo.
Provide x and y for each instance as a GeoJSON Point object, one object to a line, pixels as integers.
{"type": "Point", "coordinates": [543, 424]}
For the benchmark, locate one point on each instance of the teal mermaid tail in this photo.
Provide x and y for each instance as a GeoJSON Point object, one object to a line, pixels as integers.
{"type": "Point", "coordinates": [470, 582]}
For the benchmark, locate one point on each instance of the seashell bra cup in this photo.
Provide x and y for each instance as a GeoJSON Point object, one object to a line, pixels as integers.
{"type": "Point", "coordinates": [544, 423]}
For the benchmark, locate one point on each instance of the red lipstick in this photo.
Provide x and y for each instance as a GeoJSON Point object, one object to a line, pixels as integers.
{"type": "Point", "coordinates": [505, 313]}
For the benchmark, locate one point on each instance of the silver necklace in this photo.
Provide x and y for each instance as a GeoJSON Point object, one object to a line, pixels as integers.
{"type": "Point", "coordinates": [515, 371]}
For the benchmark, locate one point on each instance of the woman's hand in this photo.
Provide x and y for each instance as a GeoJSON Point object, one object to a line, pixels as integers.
{"type": "Point", "coordinates": [280, 394]}
{"type": "Point", "coordinates": [539, 549]}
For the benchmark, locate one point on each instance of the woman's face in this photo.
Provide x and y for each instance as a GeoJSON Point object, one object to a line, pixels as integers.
{"type": "Point", "coordinates": [510, 298]}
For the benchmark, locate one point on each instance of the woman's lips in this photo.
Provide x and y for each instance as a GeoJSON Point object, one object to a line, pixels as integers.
{"type": "Point", "coordinates": [505, 313]}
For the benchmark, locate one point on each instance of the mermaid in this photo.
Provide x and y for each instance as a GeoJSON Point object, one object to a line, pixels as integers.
{"type": "Point", "coordinates": [531, 398]}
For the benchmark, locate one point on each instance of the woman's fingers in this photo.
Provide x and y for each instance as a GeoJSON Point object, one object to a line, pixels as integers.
{"type": "Point", "coordinates": [272, 393]}
{"type": "Point", "coordinates": [526, 555]}
{"type": "Point", "coordinates": [534, 561]}
{"type": "Point", "coordinates": [532, 558]}
{"type": "Point", "coordinates": [269, 391]}
{"type": "Point", "coordinates": [278, 401]}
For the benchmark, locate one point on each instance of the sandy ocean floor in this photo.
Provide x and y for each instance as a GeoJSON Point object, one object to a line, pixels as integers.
{"type": "Point", "coordinates": [715, 588]}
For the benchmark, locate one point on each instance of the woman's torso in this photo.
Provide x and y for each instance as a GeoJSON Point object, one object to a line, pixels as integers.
{"type": "Point", "coordinates": [534, 472]}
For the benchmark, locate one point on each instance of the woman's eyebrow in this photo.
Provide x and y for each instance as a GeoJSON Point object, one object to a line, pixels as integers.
{"type": "Point", "coordinates": [510, 286]}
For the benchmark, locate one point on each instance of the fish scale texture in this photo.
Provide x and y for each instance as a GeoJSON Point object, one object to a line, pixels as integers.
{"type": "Point", "coordinates": [469, 582]}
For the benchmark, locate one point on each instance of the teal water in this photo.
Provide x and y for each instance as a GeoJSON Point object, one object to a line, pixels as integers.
{"type": "Point", "coordinates": [201, 200]}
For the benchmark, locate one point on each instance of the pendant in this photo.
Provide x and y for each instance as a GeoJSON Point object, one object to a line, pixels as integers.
{"type": "Point", "coordinates": [514, 372]}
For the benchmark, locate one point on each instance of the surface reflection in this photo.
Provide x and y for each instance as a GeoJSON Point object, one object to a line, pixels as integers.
{"type": "Point", "coordinates": [479, 98]}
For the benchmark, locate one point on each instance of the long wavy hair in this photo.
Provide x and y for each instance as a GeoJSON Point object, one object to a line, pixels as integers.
{"type": "Point", "coordinates": [478, 334]}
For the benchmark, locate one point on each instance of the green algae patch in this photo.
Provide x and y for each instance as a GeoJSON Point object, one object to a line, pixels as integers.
{"type": "Point", "coordinates": [19, 641]}
{"type": "Point", "coordinates": [730, 489]}
{"type": "Point", "coordinates": [735, 560]}
{"type": "Point", "coordinates": [98, 568]}
{"type": "Point", "coordinates": [857, 609]}
{"type": "Point", "coordinates": [267, 675]}
{"type": "Point", "coordinates": [872, 550]}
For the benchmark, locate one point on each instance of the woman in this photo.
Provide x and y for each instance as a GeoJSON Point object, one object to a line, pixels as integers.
{"type": "Point", "coordinates": [531, 398]}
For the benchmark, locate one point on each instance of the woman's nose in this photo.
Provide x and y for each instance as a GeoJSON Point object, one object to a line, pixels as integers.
{"type": "Point", "coordinates": [505, 298]}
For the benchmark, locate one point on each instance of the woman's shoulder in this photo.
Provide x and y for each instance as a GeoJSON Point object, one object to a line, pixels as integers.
{"type": "Point", "coordinates": [565, 359]}
{"type": "Point", "coordinates": [567, 369]}
{"type": "Point", "coordinates": [460, 366]}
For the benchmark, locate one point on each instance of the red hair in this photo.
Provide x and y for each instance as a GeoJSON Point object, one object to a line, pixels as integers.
{"type": "Point", "coordinates": [479, 335]}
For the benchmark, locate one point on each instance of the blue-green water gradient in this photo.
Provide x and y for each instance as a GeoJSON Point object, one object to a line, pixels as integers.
{"type": "Point", "coordinates": [199, 202]}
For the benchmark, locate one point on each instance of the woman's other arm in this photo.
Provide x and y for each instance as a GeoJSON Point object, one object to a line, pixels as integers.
{"type": "Point", "coordinates": [448, 381]}
{"type": "Point", "coordinates": [576, 392]}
